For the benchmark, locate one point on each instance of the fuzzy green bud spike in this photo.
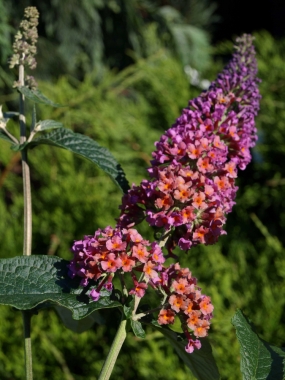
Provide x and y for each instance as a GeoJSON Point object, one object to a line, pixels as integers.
{"type": "Point", "coordinates": [24, 46]}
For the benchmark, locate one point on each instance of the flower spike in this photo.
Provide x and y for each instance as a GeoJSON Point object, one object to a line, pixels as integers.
{"type": "Point", "coordinates": [192, 186]}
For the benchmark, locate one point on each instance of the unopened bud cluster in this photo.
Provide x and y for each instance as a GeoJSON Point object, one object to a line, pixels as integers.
{"type": "Point", "coordinates": [24, 46]}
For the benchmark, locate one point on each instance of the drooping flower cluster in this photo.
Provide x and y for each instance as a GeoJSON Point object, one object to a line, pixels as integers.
{"type": "Point", "coordinates": [193, 172]}
{"type": "Point", "coordinates": [110, 250]}
{"type": "Point", "coordinates": [185, 301]}
{"type": "Point", "coordinates": [24, 46]}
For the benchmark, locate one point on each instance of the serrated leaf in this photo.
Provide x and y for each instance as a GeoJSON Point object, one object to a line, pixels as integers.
{"type": "Point", "coordinates": [78, 326]}
{"type": "Point", "coordinates": [27, 281]}
{"type": "Point", "coordinates": [85, 147]}
{"type": "Point", "coordinates": [138, 329]}
{"type": "Point", "coordinates": [37, 97]}
{"type": "Point", "coordinates": [259, 360]}
{"type": "Point", "coordinates": [47, 124]}
{"type": "Point", "coordinates": [201, 362]}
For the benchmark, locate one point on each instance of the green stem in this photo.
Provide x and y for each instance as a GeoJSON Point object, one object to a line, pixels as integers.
{"type": "Point", "coordinates": [27, 247]}
{"type": "Point", "coordinates": [28, 345]}
{"type": "Point", "coordinates": [114, 351]}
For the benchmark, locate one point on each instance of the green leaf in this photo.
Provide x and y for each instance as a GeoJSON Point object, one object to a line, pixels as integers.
{"type": "Point", "coordinates": [47, 124]}
{"type": "Point", "coordinates": [176, 326]}
{"type": "Point", "coordinates": [259, 360]}
{"type": "Point", "coordinates": [18, 147]}
{"type": "Point", "coordinates": [34, 118]}
{"type": "Point", "coordinates": [128, 311]}
{"type": "Point", "coordinates": [85, 147]}
{"type": "Point", "coordinates": [137, 329]}
{"type": "Point", "coordinates": [37, 97]}
{"type": "Point", "coordinates": [28, 281]}
{"type": "Point", "coordinates": [201, 362]}
{"type": "Point", "coordinates": [78, 326]}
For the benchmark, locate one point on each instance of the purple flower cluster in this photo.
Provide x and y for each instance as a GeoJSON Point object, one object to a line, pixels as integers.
{"type": "Point", "coordinates": [110, 250]}
{"type": "Point", "coordinates": [192, 185]}
{"type": "Point", "coordinates": [97, 258]}
{"type": "Point", "coordinates": [190, 191]}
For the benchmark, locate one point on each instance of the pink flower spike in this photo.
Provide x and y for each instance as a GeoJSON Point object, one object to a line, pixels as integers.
{"type": "Point", "coordinates": [134, 235]}
{"type": "Point", "coordinates": [166, 317]}
{"type": "Point", "coordinates": [149, 271]}
{"type": "Point", "coordinates": [184, 244]}
{"type": "Point", "coordinates": [202, 329]}
{"type": "Point", "coordinates": [204, 165]}
{"type": "Point", "coordinates": [108, 284]}
{"type": "Point", "coordinates": [182, 193]}
{"type": "Point", "coordinates": [139, 289]}
{"type": "Point", "coordinates": [194, 151]}
{"type": "Point", "coordinates": [192, 344]}
{"type": "Point", "coordinates": [108, 232]}
{"type": "Point", "coordinates": [127, 263]}
{"type": "Point", "coordinates": [140, 252]}
{"type": "Point", "coordinates": [206, 306]}
{"type": "Point", "coordinates": [116, 244]}
{"type": "Point", "coordinates": [157, 255]}
{"type": "Point", "coordinates": [194, 319]}
{"type": "Point", "coordinates": [177, 303]}
{"type": "Point", "coordinates": [94, 295]}
{"type": "Point", "coordinates": [112, 263]}
{"type": "Point", "coordinates": [230, 167]}
{"type": "Point", "coordinates": [199, 234]}
{"type": "Point", "coordinates": [198, 200]}
{"type": "Point", "coordinates": [181, 286]}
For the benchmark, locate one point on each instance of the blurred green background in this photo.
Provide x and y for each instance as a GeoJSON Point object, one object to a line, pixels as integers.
{"type": "Point", "coordinates": [126, 69]}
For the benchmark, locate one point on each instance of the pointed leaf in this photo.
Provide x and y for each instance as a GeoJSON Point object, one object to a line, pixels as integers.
{"type": "Point", "coordinates": [128, 311]}
{"type": "Point", "coordinates": [37, 97]}
{"type": "Point", "coordinates": [47, 124]}
{"type": "Point", "coordinates": [259, 360]}
{"type": "Point", "coordinates": [137, 329]}
{"type": "Point", "coordinates": [85, 147]}
{"type": "Point", "coordinates": [27, 281]}
{"type": "Point", "coordinates": [201, 362]}
{"type": "Point", "coordinates": [18, 147]}
{"type": "Point", "coordinates": [34, 118]}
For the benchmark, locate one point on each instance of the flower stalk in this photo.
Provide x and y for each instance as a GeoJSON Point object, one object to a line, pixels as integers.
{"type": "Point", "coordinates": [28, 344]}
{"type": "Point", "coordinates": [24, 48]}
{"type": "Point", "coordinates": [114, 351]}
